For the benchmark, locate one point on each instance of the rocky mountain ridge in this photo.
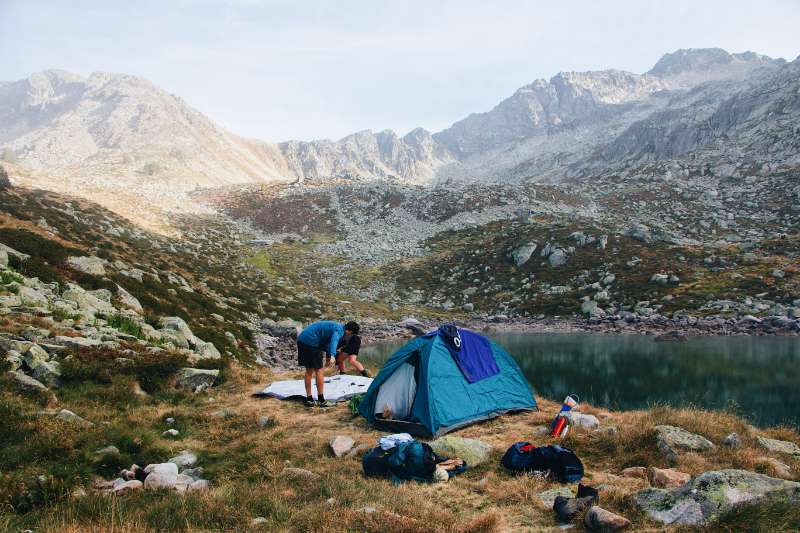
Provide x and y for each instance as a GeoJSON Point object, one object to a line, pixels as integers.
{"type": "Point", "coordinates": [107, 130]}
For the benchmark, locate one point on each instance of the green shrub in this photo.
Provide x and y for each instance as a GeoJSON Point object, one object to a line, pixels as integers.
{"type": "Point", "coordinates": [6, 277]}
{"type": "Point", "coordinates": [98, 365]}
{"type": "Point", "coordinates": [125, 325]}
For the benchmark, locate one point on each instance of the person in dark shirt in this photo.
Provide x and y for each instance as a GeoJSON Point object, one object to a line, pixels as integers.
{"type": "Point", "coordinates": [348, 348]}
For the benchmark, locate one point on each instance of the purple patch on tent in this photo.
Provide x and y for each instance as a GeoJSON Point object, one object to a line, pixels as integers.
{"type": "Point", "coordinates": [471, 352]}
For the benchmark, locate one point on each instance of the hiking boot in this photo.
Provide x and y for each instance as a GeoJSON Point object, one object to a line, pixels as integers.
{"type": "Point", "coordinates": [366, 374]}
{"type": "Point", "coordinates": [324, 404]}
{"type": "Point", "coordinates": [567, 508]}
{"type": "Point", "coordinates": [310, 403]}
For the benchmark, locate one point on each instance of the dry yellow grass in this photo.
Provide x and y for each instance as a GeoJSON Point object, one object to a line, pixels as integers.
{"type": "Point", "coordinates": [245, 461]}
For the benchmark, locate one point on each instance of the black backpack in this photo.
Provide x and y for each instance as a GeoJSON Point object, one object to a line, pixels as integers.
{"type": "Point", "coordinates": [553, 461]}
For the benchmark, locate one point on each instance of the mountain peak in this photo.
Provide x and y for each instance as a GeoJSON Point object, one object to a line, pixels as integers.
{"type": "Point", "coordinates": [703, 59]}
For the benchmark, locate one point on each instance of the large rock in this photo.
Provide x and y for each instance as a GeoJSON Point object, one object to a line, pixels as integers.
{"type": "Point", "coordinates": [521, 255]}
{"type": "Point", "coordinates": [640, 232]}
{"type": "Point", "coordinates": [88, 303]}
{"type": "Point", "coordinates": [48, 372]}
{"type": "Point", "coordinates": [77, 342]}
{"type": "Point", "coordinates": [206, 350]}
{"type": "Point", "coordinates": [672, 440]}
{"type": "Point", "coordinates": [598, 519]}
{"type": "Point", "coordinates": [175, 330]}
{"type": "Point", "coordinates": [127, 300]}
{"type": "Point", "coordinates": [472, 451]}
{"type": "Point", "coordinates": [341, 444]}
{"type": "Point", "coordinates": [591, 309]}
{"type": "Point", "coordinates": [711, 494]}
{"type": "Point", "coordinates": [32, 297]}
{"type": "Point", "coordinates": [582, 420]}
{"type": "Point", "coordinates": [88, 265]}
{"type": "Point", "coordinates": [557, 258]}
{"type": "Point", "coordinates": [169, 469]}
{"type": "Point", "coordinates": [35, 356]}
{"type": "Point", "coordinates": [196, 379]}
{"type": "Point", "coordinates": [27, 383]}
{"type": "Point", "coordinates": [779, 446]}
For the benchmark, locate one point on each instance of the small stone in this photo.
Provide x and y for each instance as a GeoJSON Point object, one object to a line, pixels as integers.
{"type": "Point", "coordinates": [185, 459]}
{"type": "Point", "coordinates": [127, 486]}
{"type": "Point", "coordinates": [170, 421]}
{"type": "Point", "coordinates": [69, 416]}
{"type": "Point", "coordinates": [732, 441]}
{"type": "Point", "coordinates": [108, 450]}
{"type": "Point", "coordinates": [330, 501]}
{"type": "Point", "coordinates": [667, 478]}
{"type": "Point", "coordinates": [598, 519]}
{"type": "Point", "coordinates": [170, 433]}
{"type": "Point", "coordinates": [635, 471]}
{"type": "Point", "coordinates": [583, 421]}
{"type": "Point", "coordinates": [257, 521]}
{"type": "Point", "coordinates": [340, 445]}
{"type": "Point", "coordinates": [298, 474]}
{"type": "Point", "coordinates": [265, 421]}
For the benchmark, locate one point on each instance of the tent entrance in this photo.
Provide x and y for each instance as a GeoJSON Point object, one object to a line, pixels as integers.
{"type": "Point", "coordinates": [396, 395]}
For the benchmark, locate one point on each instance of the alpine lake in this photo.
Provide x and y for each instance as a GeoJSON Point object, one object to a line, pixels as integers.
{"type": "Point", "coordinates": [757, 377]}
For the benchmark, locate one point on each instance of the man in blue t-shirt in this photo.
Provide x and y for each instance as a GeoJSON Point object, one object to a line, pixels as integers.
{"type": "Point", "coordinates": [322, 336]}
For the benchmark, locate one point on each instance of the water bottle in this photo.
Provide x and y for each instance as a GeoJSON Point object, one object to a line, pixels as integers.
{"type": "Point", "coordinates": [559, 426]}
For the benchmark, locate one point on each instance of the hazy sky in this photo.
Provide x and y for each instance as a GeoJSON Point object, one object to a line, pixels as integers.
{"type": "Point", "coordinates": [277, 69]}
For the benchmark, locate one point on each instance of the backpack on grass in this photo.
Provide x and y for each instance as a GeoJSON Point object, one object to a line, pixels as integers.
{"type": "Point", "coordinates": [552, 462]}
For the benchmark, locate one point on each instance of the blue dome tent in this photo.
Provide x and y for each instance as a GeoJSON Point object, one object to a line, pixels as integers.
{"type": "Point", "coordinates": [443, 381]}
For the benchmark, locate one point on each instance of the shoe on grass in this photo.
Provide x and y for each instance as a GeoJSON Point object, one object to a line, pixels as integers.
{"type": "Point", "coordinates": [310, 403]}
{"type": "Point", "coordinates": [326, 403]}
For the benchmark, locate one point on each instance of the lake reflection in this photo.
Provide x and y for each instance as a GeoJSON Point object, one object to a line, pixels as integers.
{"type": "Point", "coordinates": [759, 375]}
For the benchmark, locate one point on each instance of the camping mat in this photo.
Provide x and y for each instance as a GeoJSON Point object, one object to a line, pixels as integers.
{"type": "Point", "coordinates": [337, 388]}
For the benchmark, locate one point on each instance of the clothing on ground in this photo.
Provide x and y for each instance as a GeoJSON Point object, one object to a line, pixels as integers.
{"type": "Point", "coordinates": [324, 334]}
{"type": "Point", "coordinates": [390, 441]}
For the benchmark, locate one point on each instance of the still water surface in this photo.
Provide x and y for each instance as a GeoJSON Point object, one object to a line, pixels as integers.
{"type": "Point", "coordinates": [759, 376]}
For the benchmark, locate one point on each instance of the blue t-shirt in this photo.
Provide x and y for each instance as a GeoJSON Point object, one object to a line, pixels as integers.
{"type": "Point", "coordinates": [324, 335]}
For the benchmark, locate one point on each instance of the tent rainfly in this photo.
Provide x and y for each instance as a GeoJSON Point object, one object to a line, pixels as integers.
{"type": "Point", "coordinates": [443, 381]}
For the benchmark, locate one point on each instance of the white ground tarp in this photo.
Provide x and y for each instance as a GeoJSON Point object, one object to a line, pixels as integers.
{"type": "Point", "coordinates": [337, 388]}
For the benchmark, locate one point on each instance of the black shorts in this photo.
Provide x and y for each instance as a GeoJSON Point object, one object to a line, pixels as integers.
{"type": "Point", "coordinates": [309, 356]}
